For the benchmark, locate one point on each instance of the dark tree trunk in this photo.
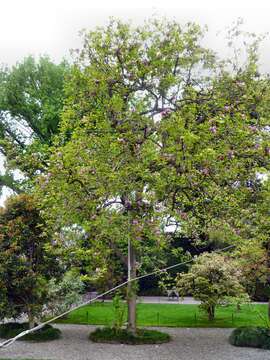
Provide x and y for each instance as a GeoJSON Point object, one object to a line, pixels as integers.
{"type": "Point", "coordinates": [211, 313]}
{"type": "Point", "coordinates": [31, 319]}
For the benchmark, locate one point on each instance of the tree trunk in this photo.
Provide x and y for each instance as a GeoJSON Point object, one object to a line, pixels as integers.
{"type": "Point", "coordinates": [31, 319]}
{"type": "Point", "coordinates": [131, 291]}
{"type": "Point", "coordinates": [211, 313]}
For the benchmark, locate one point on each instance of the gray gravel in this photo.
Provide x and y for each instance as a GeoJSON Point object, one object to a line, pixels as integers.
{"type": "Point", "coordinates": [187, 344]}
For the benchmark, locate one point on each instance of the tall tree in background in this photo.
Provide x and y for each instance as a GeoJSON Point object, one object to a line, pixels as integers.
{"type": "Point", "coordinates": [254, 228]}
{"type": "Point", "coordinates": [155, 128]}
{"type": "Point", "coordinates": [31, 101]}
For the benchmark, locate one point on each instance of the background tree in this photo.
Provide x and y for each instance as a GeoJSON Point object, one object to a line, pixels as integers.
{"type": "Point", "coordinates": [254, 230]}
{"type": "Point", "coordinates": [26, 264]}
{"type": "Point", "coordinates": [213, 280]}
{"type": "Point", "coordinates": [31, 101]}
{"type": "Point", "coordinates": [251, 258]}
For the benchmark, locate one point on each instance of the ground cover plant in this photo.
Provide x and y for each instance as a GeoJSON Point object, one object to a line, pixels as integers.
{"type": "Point", "coordinates": [142, 336]}
{"type": "Point", "coordinates": [46, 333]}
{"type": "Point", "coordinates": [257, 337]}
{"type": "Point", "coordinates": [172, 315]}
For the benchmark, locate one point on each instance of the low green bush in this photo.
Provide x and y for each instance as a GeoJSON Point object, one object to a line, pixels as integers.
{"type": "Point", "coordinates": [257, 337]}
{"type": "Point", "coordinates": [46, 333]}
{"type": "Point", "coordinates": [143, 336]}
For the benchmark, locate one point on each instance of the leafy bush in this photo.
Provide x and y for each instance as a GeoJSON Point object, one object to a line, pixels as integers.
{"type": "Point", "coordinates": [123, 336]}
{"type": "Point", "coordinates": [46, 333]}
{"type": "Point", "coordinates": [257, 337]}
{"type": "Point", "coordinates": [119, 312]}
{"type": "Point", "coordinates": [65, 293]}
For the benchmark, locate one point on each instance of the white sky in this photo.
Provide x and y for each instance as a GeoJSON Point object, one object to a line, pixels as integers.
{"type": "Point", "coordinates": [51, 26]}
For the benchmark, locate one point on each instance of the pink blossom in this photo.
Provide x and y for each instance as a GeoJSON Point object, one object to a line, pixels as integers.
{"type": "Point", "coordinates": [230, 154]}
{"type": "Point", "coordinates": [213, 129]}
{"type": "Point", "coordinates": [252, 128]}
{"type": "Point", "coordinates": [240, 83]}
{"type": "Point", "coordinates": [205, 171]}
{"type": "Point", "coordinates": [165, 112]}
{"type": "Point", "coordinates": [183, 215]}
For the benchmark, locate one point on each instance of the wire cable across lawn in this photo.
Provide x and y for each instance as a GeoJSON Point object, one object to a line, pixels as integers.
{"type": "Point", "coordinates": [156, 272]}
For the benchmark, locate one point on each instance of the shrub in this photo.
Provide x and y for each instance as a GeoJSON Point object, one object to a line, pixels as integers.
{"type": "Point", "coordinates": [46, 333]}
{"type": "Point", "coordinates": [256, 337]}
{"type": "Point", "coordinates": [213, 280]}
{"type": "Point", "coordinates": [123, 336]}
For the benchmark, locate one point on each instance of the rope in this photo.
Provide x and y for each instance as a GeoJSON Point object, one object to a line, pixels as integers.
{"type": "Point", "coordinates": [15, 338]}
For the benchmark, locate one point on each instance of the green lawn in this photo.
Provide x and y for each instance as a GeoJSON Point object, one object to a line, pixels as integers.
{"type": "Point", "coordinates": [174, 315]}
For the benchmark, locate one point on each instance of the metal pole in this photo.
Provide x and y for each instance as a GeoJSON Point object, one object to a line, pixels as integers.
{"type": "Point", "coordinates": [129, 260]}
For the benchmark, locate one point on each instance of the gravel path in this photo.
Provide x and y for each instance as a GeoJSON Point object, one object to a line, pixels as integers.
{"type": "Point", "coordinates": [165, 300]}
{"type": "Point", "coordinates": [187, 344]}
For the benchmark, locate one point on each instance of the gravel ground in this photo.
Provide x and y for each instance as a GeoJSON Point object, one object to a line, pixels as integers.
{"type": "Point", "coordinates": [187, 344]}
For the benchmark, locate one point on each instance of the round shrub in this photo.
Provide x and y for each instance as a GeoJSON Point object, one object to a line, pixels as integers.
{"type": "Point", "coordinates": [46, 333]}
{"type": "Point", "coordinates": [256, 337]}
{"type": "Point", "coordinates": [143, 336]}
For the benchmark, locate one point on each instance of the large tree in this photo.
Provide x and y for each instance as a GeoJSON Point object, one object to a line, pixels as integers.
{"type": "Point", "coordinates": [155, 128]}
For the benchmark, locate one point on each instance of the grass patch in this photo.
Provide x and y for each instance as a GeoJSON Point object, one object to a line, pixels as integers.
{"type": "Point", "coordinates": [172, 315]}
{"type": "Point", "coordinates": [143, 336]}
{"type": "Point", "coordinates": [46, 333]}
{"type": "Point", "coordinates": [256, 337]}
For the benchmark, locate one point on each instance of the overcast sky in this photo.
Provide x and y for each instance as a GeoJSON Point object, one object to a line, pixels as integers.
{"type": "Point", "coordinates": [52, 26]}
